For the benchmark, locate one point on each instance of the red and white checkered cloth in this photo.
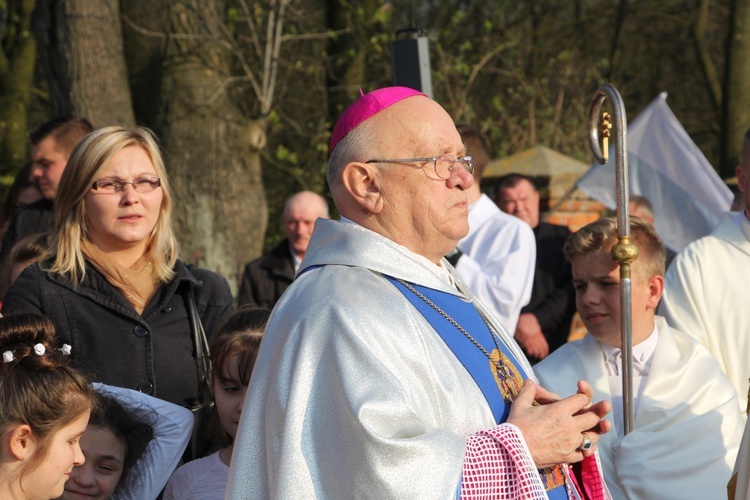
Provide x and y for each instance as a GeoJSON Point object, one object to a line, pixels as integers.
{"type": "Point", "coordinates": [498, 466]}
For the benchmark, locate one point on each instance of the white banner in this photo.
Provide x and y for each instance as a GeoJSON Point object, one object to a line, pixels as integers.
{"type": "Point", "coordinates": [666, 167]}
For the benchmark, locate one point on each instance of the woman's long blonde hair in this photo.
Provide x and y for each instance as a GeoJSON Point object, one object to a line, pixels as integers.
{"type": "Point", "coordinates": [89, 157]}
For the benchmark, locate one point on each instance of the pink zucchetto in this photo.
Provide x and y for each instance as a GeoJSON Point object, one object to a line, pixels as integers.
{"type": "Point", "coordinates": [367, 106]}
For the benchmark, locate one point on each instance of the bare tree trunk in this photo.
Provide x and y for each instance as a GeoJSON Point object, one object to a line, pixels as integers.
{"type": "Point", "coordinates": [212, 151]}
{"type": "Point", "coordinates": [736, 87]}
{"type": "Point", "coordinates": [145, 33]}
{"type": "Point", "coordinates": [17, 57]}
{"type": "Point", "coordinates": [81, 48]}
{"type": "Point", "coordinates": [709, 69]}
{"type": "Point", "coordinates": [615, 50]}
{"type": "Point", "coordinates": [347, 61]}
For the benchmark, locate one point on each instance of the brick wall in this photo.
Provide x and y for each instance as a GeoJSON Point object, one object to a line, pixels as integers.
{"type": "Point", "coordinates": [575, 212]}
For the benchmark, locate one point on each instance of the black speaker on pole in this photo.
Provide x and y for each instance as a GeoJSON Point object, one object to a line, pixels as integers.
{"type": "Point", "coordinates": [410, 61]}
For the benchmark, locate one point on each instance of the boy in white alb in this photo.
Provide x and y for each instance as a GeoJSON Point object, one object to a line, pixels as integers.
{"type": "Point", "coordinates": [687, 420]}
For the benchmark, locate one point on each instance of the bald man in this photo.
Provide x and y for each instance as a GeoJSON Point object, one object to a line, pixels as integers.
{"type": "Point", "coordinates": [380, 374]}
{"type": "Point", "coordinates": [266, 278]}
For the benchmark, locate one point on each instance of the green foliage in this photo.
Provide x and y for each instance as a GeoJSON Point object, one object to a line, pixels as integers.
{"type": "Point", "coordinates": [283, 154]}
{"type": "Point", "coordinates": [522, 72]}
{"type": "Point", "coordinates": [6, 181]}
{"type": "Point", "coordinates": [17, 57]}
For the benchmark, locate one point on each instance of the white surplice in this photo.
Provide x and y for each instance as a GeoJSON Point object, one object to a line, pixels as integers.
{"type": "Point", "coordinates": [499, 260]}
{"type": "Point", "coordinates": [687, 424]}
{"type": "Point", "coordinates": [354, 394]}
{"type": "Point", "coordinates": [707, 296]}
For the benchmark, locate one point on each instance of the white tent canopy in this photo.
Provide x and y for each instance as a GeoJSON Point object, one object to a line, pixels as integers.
{"type": "Point", "coordinates": [666, 167]}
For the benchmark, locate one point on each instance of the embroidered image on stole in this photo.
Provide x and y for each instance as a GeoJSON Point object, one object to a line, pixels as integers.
{"type": "Point", "coordinates": [510, 381]}
{"type": "Point", "coordinates": [504, 373]}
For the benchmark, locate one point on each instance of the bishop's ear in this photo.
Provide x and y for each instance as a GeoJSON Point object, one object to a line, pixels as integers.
{"type": "Point", "coordinates": [21, 441]}
{"type": "Point", "coordinates": [361, 181]}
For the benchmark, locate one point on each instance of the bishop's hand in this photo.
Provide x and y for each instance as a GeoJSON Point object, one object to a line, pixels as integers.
{"type": "Point", "coordinates": [554, 428]}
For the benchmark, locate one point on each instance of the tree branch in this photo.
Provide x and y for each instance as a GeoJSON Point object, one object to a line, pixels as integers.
{"type": "Point", "coordinates": [707, 63]}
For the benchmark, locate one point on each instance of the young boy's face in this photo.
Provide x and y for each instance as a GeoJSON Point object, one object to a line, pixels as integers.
{"type": "Point", "coordinates": [596, 278]}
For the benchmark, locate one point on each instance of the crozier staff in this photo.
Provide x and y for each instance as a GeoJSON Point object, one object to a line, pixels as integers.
{"type": "Point", "coordinates": [380, 375]}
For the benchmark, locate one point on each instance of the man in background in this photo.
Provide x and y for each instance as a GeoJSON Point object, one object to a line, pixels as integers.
{"type": "Point", "coordinates": [544, 324]}
{"type": "Point", "coordinates": [267, 277]}
{"type": "Point", "coordinates": [53, 142]}
{"type": "Point", "coordinates": [496, 259]}
{"type": "Point", "coordinates": [706, 288]}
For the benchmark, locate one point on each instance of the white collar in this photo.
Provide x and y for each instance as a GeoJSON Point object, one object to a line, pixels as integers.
{"type": "Point", "coordinates": [438, 269]}
{"type": "Point", "coordinates": [643, 355]}
{"type": "Point", "coordinates": [296, 261]}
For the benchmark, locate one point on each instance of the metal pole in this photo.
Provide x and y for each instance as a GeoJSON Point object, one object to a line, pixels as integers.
{"type": "Point", "coordinates": [624, 253]}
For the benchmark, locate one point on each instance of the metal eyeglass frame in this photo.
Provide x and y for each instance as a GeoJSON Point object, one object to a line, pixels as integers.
{"type": "Point", "coordinates": [465, 161]}
{"type": "Point", "coordinates": [119, 184]}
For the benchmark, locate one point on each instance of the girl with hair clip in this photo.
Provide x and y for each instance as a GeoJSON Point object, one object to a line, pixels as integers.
{"type": "Point", "coordinates": [233, 355]}
{"type": "Point", "coordinates": [132, 445]}
{"type": "Point", "coordinates": [113, 260]}
{"type": "Point", "coordinates": [44, 409]}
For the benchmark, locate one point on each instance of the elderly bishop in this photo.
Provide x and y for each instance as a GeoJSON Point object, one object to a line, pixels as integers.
{"type": "Point", "coordinates": [380, 374]}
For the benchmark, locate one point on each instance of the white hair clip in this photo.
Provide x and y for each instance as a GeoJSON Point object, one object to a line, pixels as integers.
{"type": "Point", "coordinates": [8, 357]}
{"type": "Point", "coordinates": [65, 349]}
{"type": "Point", "coordinates": [39, 349]}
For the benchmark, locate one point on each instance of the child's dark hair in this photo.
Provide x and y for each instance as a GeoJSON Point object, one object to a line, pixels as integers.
{"type": "Point", "coordinates": [38, 387]}
{"type": "Point", "coordinates": [29, 249]}
{"type": "Point", "coordinates": [239, 335]}
{"type": "Point", "coordinates": [26, 251]}
{"type": "Point", "coordinates": [21, 181]}
{"type": "Point", "coordinates": [129, 425]}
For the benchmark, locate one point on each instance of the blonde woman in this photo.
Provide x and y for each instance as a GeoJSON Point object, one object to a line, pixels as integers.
{"type": "Point", "coordinates": [111, 281]}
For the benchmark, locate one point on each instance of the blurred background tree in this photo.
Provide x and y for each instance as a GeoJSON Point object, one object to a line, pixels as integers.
{"type": "Point", "coordinates": [243, 94]}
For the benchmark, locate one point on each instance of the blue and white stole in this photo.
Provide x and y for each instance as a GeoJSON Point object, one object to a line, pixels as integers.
{"type": "Point", "coordinates": [497, 388]}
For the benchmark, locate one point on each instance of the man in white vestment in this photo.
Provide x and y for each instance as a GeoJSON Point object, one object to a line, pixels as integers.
{"type": "Point", "coordinates": [498, 256]}
{"type": "Point", "coordinates": [687, 426]}
{"type": "Point", "coordinates": [706, 291]}
{"type": "Point", "coordinates": [380, 374]}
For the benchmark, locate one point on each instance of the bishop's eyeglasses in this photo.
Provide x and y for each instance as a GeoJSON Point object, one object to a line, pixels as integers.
{"type": "Point", "coordinates": [140, 185]}
{"type": "Point", "coordinates": [444, 164]}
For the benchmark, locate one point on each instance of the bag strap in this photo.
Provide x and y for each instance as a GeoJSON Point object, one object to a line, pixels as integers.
{"type": "Point", "coordinates": [202, 402]}
{"type": "Point", "coordinates": [200, 342]}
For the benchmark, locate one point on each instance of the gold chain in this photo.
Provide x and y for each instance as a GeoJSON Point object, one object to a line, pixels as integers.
{"type": "Point", "coordinates": [503, 370]}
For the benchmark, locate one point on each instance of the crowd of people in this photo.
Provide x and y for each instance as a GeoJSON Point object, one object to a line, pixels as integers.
{"type": "Point", "coordinates": [414, 348]}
